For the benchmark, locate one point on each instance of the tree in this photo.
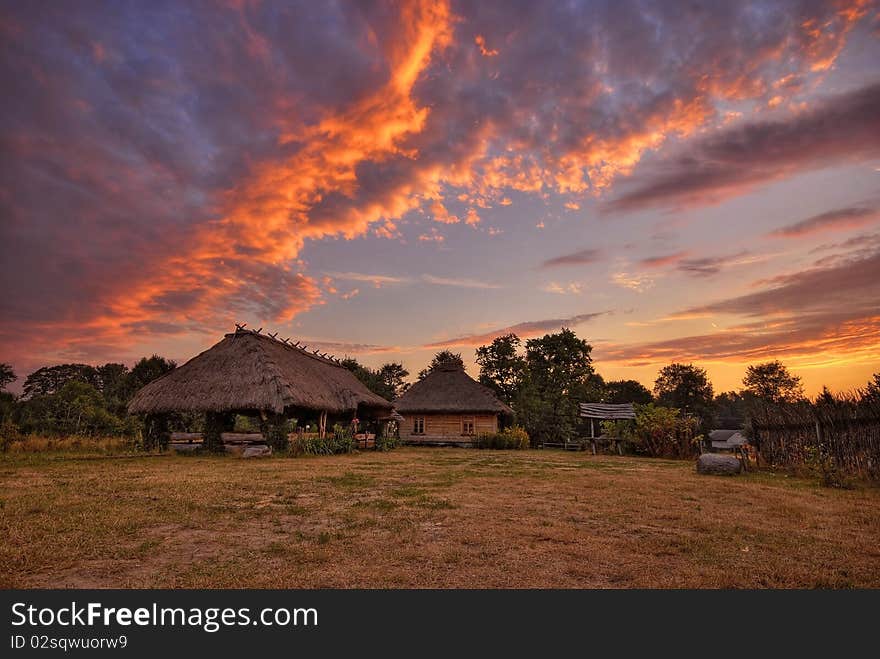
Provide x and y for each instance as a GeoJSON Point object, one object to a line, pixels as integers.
{"type": "Point", "coordinates": [115, 385]}
{"type": "Point", "coordinates": [871, 393]}
{"type": "Point", "coordinates": [502, 368]}
{"type": "Point", "coordinates": [686, 387]}
{"type": "Point", "coordinates": [393, 376]}
{"type": "Point", "coordinates": [367, 377]}
{"type": "Point", "coordinates": [732, 408]}
{"type": "Point", "coordinates": [627, 391]}
{"type": "Point", "coordinates": [772, 381]}
{"type": "Point", "coordinates": [50, 379]}
{"type": "Point", "coordinates": [7, 375]}
{"type": "Point", "coordinates": [442, 357]}
{"type": "Point", "coordinates": [76, 408]}
{"type": "Point", "coordinates": [387, 381]}
{"type": "Point", "coordinates": [148, 369]}
{"type": "Point", "coordinates": [558, 373]}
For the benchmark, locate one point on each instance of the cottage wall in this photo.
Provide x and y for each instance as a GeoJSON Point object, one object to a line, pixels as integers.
{"type": "Point", "coordinates": [446, 427]}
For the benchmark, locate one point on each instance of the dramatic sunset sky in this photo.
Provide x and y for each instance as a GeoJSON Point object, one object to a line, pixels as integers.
{"type": "Point", "coordinates": [675, 181]}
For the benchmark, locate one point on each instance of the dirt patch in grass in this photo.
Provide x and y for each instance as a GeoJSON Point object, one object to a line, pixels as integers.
{"type": "Point", "coordinates": [426, 518]}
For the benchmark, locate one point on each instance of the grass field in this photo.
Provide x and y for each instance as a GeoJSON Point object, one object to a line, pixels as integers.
{"type": "Point", "coordinates": [425, 518]}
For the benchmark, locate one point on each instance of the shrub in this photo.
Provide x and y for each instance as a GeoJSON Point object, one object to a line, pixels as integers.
{"type": "Point", "coordinates": [9, 433]}
{"type": "Point", "coordinates": [386, 442]}
{"type": "Point", "coordinates": [822, 463]}
{"type": "Point", "coordinates": [513, 438]}
{"type": "Point", "coordinates": [338, 440]}
{"type": "Point", "coordinates": [658, 431]}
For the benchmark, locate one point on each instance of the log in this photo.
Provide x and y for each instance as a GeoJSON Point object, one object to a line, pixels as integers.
{"type": "Point", "coordinates": [718, 465]}
{"type": "Point", "coordinates": [242, 437]}
{"type": "Point", "coordinates": [186, 437]}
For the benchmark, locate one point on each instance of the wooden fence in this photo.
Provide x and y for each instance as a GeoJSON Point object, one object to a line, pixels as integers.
{"type": "Point", "coordinates": [843, 431]}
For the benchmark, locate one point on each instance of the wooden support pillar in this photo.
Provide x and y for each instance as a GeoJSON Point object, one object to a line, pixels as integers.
{"type": "Point", "coordinates": [322, 425]}
{"type": "Point", "coordinates": [274, 429]}
{"type": "Point", "coordinates": [215, 424]}
{"type": "Point", "coordinates": [156, 434]}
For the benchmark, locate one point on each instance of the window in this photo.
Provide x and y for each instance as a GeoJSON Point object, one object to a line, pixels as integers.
{"type": "Point", "coordinates": [467, 425]}
{"type": "Point", "coordinates": [419, 425]}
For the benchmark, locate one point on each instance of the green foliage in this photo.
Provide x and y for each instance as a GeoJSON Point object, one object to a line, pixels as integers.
{"type": "Point", "coordinates": [819, 460]}
{"type": "Point", "coordinates": [515, 438]}
{"type": "Point", "coordinates": [387, 442]}
{"type": "Point", "coordinates": [559, 375]}
{"type": "Point", "coordinates": [7, 375]}
{"type": "Point", "coordinates": [687, 388]}
{"type": "Point", "coordinates": [387, 381]}
{"type": "Point", "coordinates": [772, 381]}
{"type": "Point", "coordinates": [49, 380]}
{"type": "Point", "coordinates": [215, 424]}
{"type": "Point", "coordinates": [78, 399]}
{"type": "Point", "coordinates": [276, 429]}
{"type": "Point", "coordinates": [9, 433]}
{"type": "Point", "coordinates": [339, 440]}
{"type": "Point", "coordinates": [502, 368]}
{"type": "Point", "coordinates": [732, 409]}
{"type": "Point", "coordinates": [77, 408]}
{"type": "Point", "coordinates": [626, 391]}
{"type": "Point", "coordinates": [658, 431]}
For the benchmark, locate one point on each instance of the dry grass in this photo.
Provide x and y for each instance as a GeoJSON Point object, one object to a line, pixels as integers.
{"type": "Point", "coordinates": [425, 518]}
{"type": "Point", "coordinates": [72, 444]}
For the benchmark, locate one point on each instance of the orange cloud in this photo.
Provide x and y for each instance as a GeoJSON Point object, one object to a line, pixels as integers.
{"type": "Point", "coordinates": [265, 220]}
{"type": "Point", "coordinates": [481, 44]}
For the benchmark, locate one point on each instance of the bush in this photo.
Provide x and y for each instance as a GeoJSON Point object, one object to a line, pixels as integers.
{"type": "Point", "coordinates": [513, 438]}
{"type": "Point", "coordinates": [822, 463]}
{"type": "Point", "coordinates": [386, 442]}
{"type": "Point", "coordinates": [658, 431]}
{"type": "Point", "coordinates": [9, 433]}
{"type": "Point", "coordinates": [338, 440]}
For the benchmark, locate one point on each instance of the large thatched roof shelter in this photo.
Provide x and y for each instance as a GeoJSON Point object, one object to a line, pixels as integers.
{"type": "Point", "coordinates": [248, 371]}
{"type": "Point", "coordinates": [448, 406]}
{"type": "Point", "coordinates": [254, 374]}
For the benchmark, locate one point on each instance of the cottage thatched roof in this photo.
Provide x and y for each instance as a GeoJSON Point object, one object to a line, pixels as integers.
{"type": "Point", "coordinates": [447, 388]}
{"type": "Point", "coordinates": [251, 371]}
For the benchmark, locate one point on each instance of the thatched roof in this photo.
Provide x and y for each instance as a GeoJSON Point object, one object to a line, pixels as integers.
{"type": "Point", "coordinates": [447, 388]}
{"type": "Point", "coordinates": [607, 411]}
{"type": "Point", "coordinates": [251, 371]}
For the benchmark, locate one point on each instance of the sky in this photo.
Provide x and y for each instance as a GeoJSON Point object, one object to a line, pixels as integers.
{"type": "Point", "coordinates": [674, 181]}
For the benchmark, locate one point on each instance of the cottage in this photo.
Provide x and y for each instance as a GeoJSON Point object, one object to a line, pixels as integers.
{"type": "Point", "coordinates": [448, 407]}
{"type": "Point", "coordinates": [727, 440]}
{"type": "Point", "coordinates": [259, 375]}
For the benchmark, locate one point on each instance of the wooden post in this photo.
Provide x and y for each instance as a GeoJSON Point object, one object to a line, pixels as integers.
{"type": "Point", "coordinates": [274, 429]}
{"type": "Point", "coordinates": [155, 432]}
{"type": "Point", "coordinates": [215, 424]}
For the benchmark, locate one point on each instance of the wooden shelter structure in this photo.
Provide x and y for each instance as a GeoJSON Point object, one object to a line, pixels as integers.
{"type": "Point", "coordinates": [448, 407]}
{"type": "Point", "coordinates": [257, 374]}
{"type": "Point", "coordinates": [605, 412]}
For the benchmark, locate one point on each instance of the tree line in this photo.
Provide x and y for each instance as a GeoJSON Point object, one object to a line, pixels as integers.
{"type": "Point", "coordinates": [542, 379]}
{"type": "Point", "coordinates": [76, 399]}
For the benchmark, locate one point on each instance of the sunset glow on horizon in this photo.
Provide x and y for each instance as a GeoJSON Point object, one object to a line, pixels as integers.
{"type": "Point", "coordinates": [696, 183]}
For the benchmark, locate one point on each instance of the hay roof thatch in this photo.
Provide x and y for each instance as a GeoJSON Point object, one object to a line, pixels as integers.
{"type": "Point", "coordinates": [252, 371]}
{"type": "Point", "coordinates": [447, 388]}
{"type": "Point", "coordinates": [607, 411]}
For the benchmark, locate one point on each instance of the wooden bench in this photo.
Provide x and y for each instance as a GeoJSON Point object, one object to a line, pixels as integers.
{"type": "Point", "coordinates": [568, 445]}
